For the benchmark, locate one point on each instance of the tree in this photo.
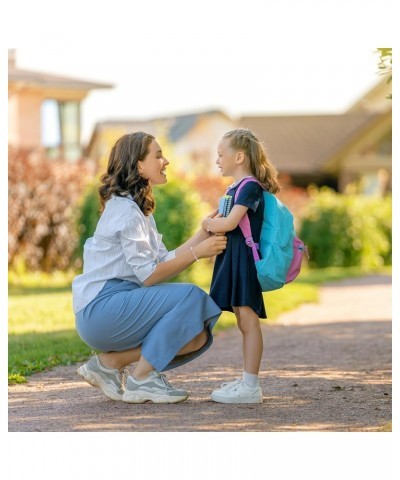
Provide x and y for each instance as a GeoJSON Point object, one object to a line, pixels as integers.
{"type": "Point", "coordinates": [385, 64]}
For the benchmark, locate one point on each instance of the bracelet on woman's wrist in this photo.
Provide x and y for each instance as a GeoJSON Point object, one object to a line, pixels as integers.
{"type": "Point", "coordinates": [194, 255]}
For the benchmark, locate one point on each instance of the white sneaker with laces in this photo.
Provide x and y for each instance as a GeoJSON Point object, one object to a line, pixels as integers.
{"type": "Point", "coordinates": [229, 385]}
{"type": "Point", "coordinates": [237, 392]}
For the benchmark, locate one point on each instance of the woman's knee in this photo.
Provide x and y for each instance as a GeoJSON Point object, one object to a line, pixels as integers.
{"type": "Point", "coordinates": [192, 290]}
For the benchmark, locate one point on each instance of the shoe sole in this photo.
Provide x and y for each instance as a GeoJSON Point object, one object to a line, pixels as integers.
{"type": "Point", "coordinates": [92, 379]}
{"type": "Point", "coordinates": [154, 398]}
{"type": "Point", "coordinates": [222, 399]}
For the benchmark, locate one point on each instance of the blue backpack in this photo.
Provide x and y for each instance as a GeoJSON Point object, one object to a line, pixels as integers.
{"type": "Point", "coordinates": [281, 250]}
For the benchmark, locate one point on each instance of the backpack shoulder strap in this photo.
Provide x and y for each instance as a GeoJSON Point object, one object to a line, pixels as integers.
{"type": "Point", "coordinates": [244, 223]}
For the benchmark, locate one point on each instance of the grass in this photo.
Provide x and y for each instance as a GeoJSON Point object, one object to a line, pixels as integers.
{"type": "Point", "coordinates": [387, 427]}
{"type": "Point", "coordinates": [41, 331]}
{"type": "Point", "coordinates": [41, 322]}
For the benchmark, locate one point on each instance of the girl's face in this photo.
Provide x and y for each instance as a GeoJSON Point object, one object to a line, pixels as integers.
{"type": "Point", "coordinates": [226, 159]}
{"type": "Point", "coordinates": [153, 167]}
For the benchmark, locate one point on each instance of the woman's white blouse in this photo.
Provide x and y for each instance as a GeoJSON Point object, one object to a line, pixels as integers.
{"type": "Point", "coordinates": [125, 245]}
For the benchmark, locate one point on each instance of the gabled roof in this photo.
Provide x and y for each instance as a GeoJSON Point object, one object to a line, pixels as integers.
{"type": "Point", "coordinates": [177, 125]}
{"type": "Point", "coordinates": [182, 125]}
{"type": "Point", "coordinates": [46, 80]}
{"type": "Point", "coordinates": [375, 99]}
{"type": "Point", "coordinates": [304, 143]}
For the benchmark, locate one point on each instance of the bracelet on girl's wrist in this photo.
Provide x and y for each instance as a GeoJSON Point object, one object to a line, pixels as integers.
{"type": "Point", "coordinates": [194, 255]}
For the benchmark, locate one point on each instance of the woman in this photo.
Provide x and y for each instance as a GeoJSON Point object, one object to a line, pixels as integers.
{"type": "Point", "coordinates": [121, 306]}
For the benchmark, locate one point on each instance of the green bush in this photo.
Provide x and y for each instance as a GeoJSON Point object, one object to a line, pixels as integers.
{"type": "Point", "coordinates": [178, 212]}
{"type": "Point", "coordinates": [347, 230]}
{"type": "Point", "coordinates": [89, 213]}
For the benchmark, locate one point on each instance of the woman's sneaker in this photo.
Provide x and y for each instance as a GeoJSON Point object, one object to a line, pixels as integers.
{"type": "Point", "coordinates": [237, 392]}
{"type": "Point", "coordinates": [155, 388]}
{"type": "Point", "coordinates": [111, 381]}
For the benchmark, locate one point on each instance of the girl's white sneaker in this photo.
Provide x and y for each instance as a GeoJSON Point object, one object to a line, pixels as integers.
{"type": "Point", "coordinates": [237, 392]}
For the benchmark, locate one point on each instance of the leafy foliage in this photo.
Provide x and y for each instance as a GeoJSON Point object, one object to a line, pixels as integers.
{"type": "Point", "coordinates": [210, 188]}
{"type": "Point", "coordinates": [178, 212]}
{"type": "Point", "coordinates": [42, 196]}
{"type": "Point", "coordinates": [88, 216]}
{"type": "Point", "coordinates": [347, 230]}
{"type": "Point", "coordinates": [385, 63]}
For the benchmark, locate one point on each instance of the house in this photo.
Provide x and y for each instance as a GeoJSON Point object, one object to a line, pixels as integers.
{"type": "Point", "coordinates": [349, 149]}
{"type": "Point", "coordinates": [191, 139]}
{"type": "Point", "coordinates": [44, 111]}
{"type": "Point", "coordinates": [341, 150]}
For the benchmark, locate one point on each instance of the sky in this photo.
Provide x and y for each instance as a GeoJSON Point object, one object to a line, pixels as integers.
{"type": "Point", "coordinates": [177, 56]}
{"type": "Point", "coordinates": [264, 82]}
{"type": "Point", "coordinates": [253, 57]}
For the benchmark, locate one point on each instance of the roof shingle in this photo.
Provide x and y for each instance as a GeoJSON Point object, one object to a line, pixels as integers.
{"type": "Point", "coordinates": [303, 143]}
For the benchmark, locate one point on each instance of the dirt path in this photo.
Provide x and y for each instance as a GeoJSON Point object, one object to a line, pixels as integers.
{"type": "Point", "coordinates": [326, 367]}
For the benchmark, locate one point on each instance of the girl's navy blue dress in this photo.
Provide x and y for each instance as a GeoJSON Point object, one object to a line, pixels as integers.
{"type": "Point", "coordinates": [234, 282]}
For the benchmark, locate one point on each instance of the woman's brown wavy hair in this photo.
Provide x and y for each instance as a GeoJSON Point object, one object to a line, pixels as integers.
{"type": "Point", "coordinates": [261, 167]}
{"type": "Point", "coordinates": [122, 177]}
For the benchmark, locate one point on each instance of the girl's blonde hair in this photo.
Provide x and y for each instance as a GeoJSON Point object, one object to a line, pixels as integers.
{"type": "Point", "coordinates": [122, 177]}
{"type": "Point", "coordinates": [244, 139]}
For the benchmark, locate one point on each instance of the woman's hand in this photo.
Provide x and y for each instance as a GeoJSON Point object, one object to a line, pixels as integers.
{"type": "Point", "coordinates": [214, 245]}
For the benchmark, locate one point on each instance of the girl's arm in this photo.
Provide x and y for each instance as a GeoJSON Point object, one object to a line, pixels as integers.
{"type": "Point", "coordinates": [225, 224]}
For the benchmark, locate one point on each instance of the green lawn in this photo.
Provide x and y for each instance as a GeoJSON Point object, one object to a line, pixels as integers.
{"type": "Point", "coordinates": [41, 322]}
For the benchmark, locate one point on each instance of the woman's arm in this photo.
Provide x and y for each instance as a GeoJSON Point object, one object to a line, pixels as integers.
{"type": "Point", "coordinates": [198, 237]}
{"type": "Point", "coordinates": [166, 270]}
{"type": "Point", "coordinates": [225, 224]}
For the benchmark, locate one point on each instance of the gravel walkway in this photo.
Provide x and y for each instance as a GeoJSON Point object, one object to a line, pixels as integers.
{"type": "Point", "coordinates": [326, 367]}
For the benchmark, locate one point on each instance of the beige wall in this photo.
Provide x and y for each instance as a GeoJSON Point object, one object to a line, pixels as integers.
{"type": "Point", "coordinates": [198, 149]}
{"type": "Point", "coordinates": [24, 119]}
{"type": "Point", "coordinates": [24, 112]}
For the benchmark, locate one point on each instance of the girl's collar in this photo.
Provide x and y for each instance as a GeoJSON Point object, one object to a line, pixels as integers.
{"type": "Point", "coordinates": [235, 184]}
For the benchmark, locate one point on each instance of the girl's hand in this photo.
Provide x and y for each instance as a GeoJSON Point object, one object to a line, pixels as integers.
{"type": "Point", "coordinates": [204, 223]}
{"type": "Point", "coordinates": [212, 246]}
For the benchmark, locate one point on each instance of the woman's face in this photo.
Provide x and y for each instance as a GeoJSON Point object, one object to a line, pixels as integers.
{"type": "Point", "coordinates": [153, 167]}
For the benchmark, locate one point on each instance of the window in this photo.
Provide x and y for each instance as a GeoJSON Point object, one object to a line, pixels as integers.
{"type": "Point", "coordinates": [50, 128]}
{"type": "Point", "coordinates": [60, 126]}
{"type": "Point", "coordinates": [70, 129]}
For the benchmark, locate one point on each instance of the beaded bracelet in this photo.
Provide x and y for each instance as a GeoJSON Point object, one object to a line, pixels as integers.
{"type": "Point", "coordinates": [191, 249]}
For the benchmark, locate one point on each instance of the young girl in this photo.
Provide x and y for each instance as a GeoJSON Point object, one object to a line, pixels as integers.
{"type": "Point", "coordinates": [234, 284]}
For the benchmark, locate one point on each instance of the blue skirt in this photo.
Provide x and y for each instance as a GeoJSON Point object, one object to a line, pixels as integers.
{"type": "Point", "coordinates": [161, 319]}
